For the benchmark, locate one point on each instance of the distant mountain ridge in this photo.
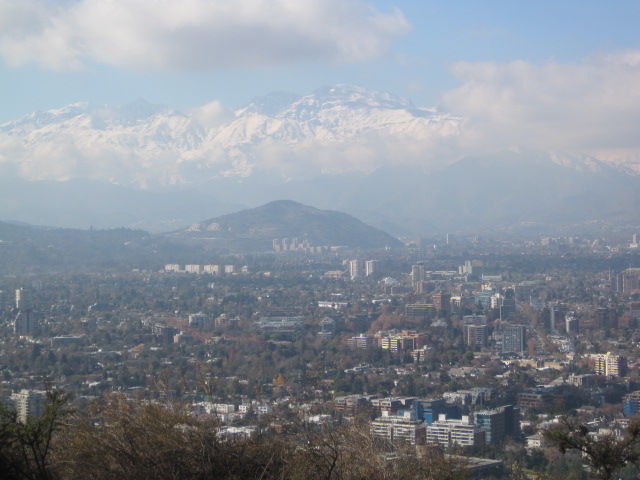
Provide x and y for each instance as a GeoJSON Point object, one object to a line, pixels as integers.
{"type": "Point", "coordinates": [366, 153]}
{"type": "Point", "coordinates": [37, 248]}
{"type": "Point", "coordinates": [83, 204]}
{"type": "Point", "coordinates": [484, 194]}
{"type": "Point", "coordinates": [144, 145]}
{"type": "Point", "coordinates": [256, 228]}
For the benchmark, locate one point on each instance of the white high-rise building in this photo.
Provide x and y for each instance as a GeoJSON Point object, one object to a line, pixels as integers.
{"type": "Point", "coordinates": [611, 365]}
{"type": "Point", "coordinates": [462, 432]}
{"type": "Point", "coordinates": [355, 268]}
{"type": "Point", "coordinates": [417, 273]}
{"type": "Point", "coordinates": [29, 403]}
{"type": "Point", "coordinates": [21, 299]}
{"type": "Point", "coordinates": [370, 267]}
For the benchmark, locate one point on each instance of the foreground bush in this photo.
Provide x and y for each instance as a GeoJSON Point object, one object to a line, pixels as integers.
{"type": "Point", "coordinates": [123, 439]}
{"type": "Point", "coordinates": [25, 448]}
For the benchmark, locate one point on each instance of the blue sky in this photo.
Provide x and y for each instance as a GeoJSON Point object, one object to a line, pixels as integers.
{"type": "Point", "coordinates": [419, 44]}
{"type": "Point", "coordinates": [561, 75]}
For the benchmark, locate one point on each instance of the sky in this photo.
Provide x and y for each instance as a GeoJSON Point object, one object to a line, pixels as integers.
{"type": "Point", "coordinates": [519, 70]}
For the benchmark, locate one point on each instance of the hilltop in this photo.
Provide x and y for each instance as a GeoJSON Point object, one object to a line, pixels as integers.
{"type": "Point", "coordinates": [256, 228]}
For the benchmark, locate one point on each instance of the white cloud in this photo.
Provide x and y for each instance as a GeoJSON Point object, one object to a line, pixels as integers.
{"type": "Point", "coordinates": [211, 115]}
{"type": "Point", "coordinates": [593, 106]}
{"type": "Point", "coordinates": [193, 34]}
{"type": "Point", "coordinates": [363, 152]}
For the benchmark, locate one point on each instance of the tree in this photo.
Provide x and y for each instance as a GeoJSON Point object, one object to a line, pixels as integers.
{"type": "Point", "coordinates": [120, 438]}
{"type": "Point", "coordinates": [25, 448]}
{"type": "Point", "coordinates": [606, 454]}
{"type": "Point", "coordinates": [350, 452]}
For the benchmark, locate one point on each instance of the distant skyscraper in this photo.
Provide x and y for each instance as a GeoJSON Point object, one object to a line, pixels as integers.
{"type": "Point", "coordinates": [628, 281]}
{"type": "Point", "coordinates": [611, 365]}
{"type": "Point", "coordinates": [475, 335]}
{"type": "Point", "coordinates": [28, 403]}
{"type": "Point", "coordinates": [605, 318]}
{"type": "Point", "coordinates": [370, 267]}
{"type": "Point", "coordinates": [572, 325]}
{"type": "Point", "coordinates": [471, 268]}
{"type": "Point", "coordinates": [26, 323]}
{"type": "Point", "coordinates": [552, 318]}
{"type": "Point", "coordinates": [547, 319]}
{"type": "Point", "coordinates": [499, 423]}
{"type": "Point", "coordinates": [417, 274]}
{"type": "Point", "coordinates": [508, 306]}
{"type": "Point", "coordinates": [355, 268]}
{"type": "Point", "coordinates": [442, 301]}
{"type": "Point", "coordinates": [21, 299]}
{"type": "Point", "coordinates": [513, 338]}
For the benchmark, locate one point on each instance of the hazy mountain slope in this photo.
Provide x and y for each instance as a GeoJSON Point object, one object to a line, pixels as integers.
{"type": "Point", "coordinates": [257, 227]}
{"type": "Point", "coordinates": [476, 194]}
{"type": "Point", "coordinates": [369, 154]}
{"type": "Point", "coordinates": [84, 204]}
{"type": "Point", "coordinates": [27, 248]}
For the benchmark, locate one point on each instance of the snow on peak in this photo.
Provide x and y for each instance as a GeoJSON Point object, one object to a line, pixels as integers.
{"type": "Point", "coordinates": [336, 128]}
{"type": "Point", "coordinates": [270, 105]}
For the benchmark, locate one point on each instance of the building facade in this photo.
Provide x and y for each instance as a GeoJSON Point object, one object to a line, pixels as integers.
{"type": "Point", "coordinates": [611, 365]}
{"type": "Point", "coordinates": [395, 428]}
{"type": "Point", "coordinates": [513, 338]}
{"type": "Point", "coordinates": [26, 323]}
{"type": "Point", "coordinates": [475, 335]}
{"type": "Point", "coordinates": [462, 432]}
{"type": "Point", "coordinates": [499, 423]}
{"type": "Point", "coordinates": [29, 404]}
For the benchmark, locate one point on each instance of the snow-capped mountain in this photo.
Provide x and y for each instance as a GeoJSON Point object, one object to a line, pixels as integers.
{"type": "Point", "coordinates": [335, 129]}
{"type": "Point", "coordinates": [369, 154]}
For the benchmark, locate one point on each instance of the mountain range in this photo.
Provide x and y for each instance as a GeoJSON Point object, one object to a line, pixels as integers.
{"type": "Point", "coordinates": [369, 154]}
{"type": "Point", "coordinates": [280, 136]}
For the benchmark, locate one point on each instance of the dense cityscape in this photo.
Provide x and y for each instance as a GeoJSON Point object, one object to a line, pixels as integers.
{"type": "Point", "coordinates": [319, 240]}
{"type": "Point", "coordinates": [468, 346]}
